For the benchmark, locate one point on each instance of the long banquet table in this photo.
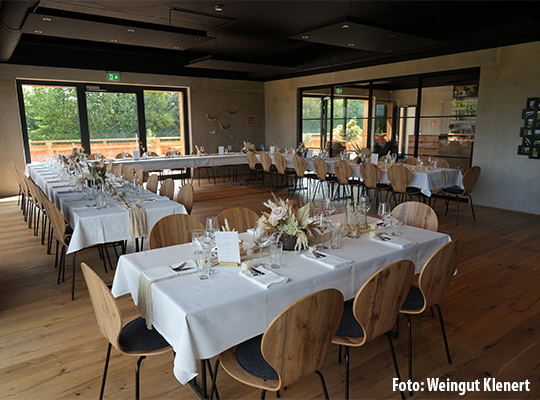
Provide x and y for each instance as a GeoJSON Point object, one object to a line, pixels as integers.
{"type": "Point", "coordinates": [161, 163]}
{"type": "Point", "coordinates": [200, 319]}
{"type": "Point", "coordinates": [92, 226]}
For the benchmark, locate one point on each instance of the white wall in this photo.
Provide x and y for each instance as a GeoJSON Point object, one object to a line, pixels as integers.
{"type": "Point", "coordinates": [203, 94]}
{"type": "Point", "coordinates": [509, 76]}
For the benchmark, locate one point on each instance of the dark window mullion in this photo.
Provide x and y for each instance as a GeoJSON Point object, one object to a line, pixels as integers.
{"type": "Point", "coordinates": [83, 118]}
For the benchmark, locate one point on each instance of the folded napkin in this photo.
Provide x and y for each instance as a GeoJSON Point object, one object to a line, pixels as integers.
{"type": "Point", "coordinates": [267, 280]}
{"type": "Point", "coordinates": [444, 177]}
{"type": "Point", "coordinates": [137, 217]}
{"type": "Point", "coordinates": [329, 260]}
{"type": "Point", "coordinates": [153, 275]}
{"type": "Point", "coordinates": [395, 241]}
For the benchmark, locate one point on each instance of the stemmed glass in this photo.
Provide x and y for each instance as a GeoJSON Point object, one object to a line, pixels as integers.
{"type": "Point", "coordinates": [321, 223]}
{"type": "Point", "coordinates": [260, 238]}
{"type": "Point", "coordinates": [212, 226]}
{"type": "Point", "coordinates": [329, 206]}
{"type": "Point", "coordinates": [364, 205]}
{"type": "Point", "coordinates": [208, 243]}
{"type": "Point", "coordinates": [384, 212]}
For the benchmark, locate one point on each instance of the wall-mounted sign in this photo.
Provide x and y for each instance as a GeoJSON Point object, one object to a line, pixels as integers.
{"type": "Point", "coordinates": [113, 75]}
{"type": "Point", "coordinates": [250, 120]}
{"type": "Point", "coordinates": [339, 90]}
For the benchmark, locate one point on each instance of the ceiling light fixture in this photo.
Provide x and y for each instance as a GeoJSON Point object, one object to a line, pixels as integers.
{"type": "Point", "coordinates": [305, 37]}
{"type": "Point", "coordinates": [47, 19]}
{"type": "Point", "coordinates": [344, 26]}
{"type": "Point", "coordinates": [38, 32]}
{"type": "Point", "coordinates": [114, 40]}
{"type": "Point", "coordinates": [131, 30]}
{"type": "Point", "coordinates": [351, 44]}
{"type": "Point", "coordinates": [218, 8]}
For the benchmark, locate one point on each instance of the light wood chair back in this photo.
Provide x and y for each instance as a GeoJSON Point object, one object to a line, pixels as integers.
{"type": "Point", "coordinates": [172, 230]}
{"type": "Point", "coordinates": [139, 177]}
{"type": "Point", "coordinates": [129, 173]}
{"type": "Point", "coordinates": [95, 156]}
{"type": "Point", "coordinates": [281, 163]}
{"type": "Point", "coordinates": [123, 155]}
{"type": "Point", "coordinates": [321, 168]}
{"type": "Point", "coordinates": [167, 188]}
{"type": "Point", "coordinates": [378, 302]}
{"type": "Point", "coordinates": [57, 220]}
{"type": "Point", "coordinates": [442, 163]}
{"type": "Point", "coordinates": [266, 162]}
{"type": "Point", "coordinates": [400, 177]}
{"type": "Point", "coordinates": [152, 183]}
{"type": "Point", "coordinates": [420, 215]}
{"type": "Point", "coordinates": [437, 273]}
{"type": "Point", "coordinates": [252, 160]}
{"type": "Point", "coordinates": [108, 314]}
{"type": "Point", "coordinates": [300, 166]}
{"type": "Point", "coordinates": [410, 161]}
{"type": "Point", "coordinates": [296, 341]}
{"type": "Point", "coordinates": [172, 153]}
{"type": "Point", "coordinates": [185, 196]}
{"type": "Point", "coordinates": [371, 174]}
{"type": "Point", "coordinates": [152, 154]}
{"type": "Point", "coordinates": [110, 167]}
{"type": "Point", "coordinates": [470, 178]}
{"type": "Point", "coordinates": [239, 218]}
{"type": "Point", "coordinates": [343, 171]}
{"type": "Point", "coordinates": [118, 169]}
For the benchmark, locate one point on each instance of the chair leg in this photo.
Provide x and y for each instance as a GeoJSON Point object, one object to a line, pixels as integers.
{"type": "Point", "coordinates": [444, 334]}
{"type": "Point", "coordinates": [105, 371]}
{"type": "Point", "coordinates": [472, 207]}
{"type": "Point", "coordinates": [409, 345]}
{"type": "Point", "coordinates": [395, 362]}
{"type": "Point", "coordinates": [263, 394]}
{"type": "Point", "coordinates": [73, 277]}
{"type": "Point", "coordinates": [346, 372]}
{"type": "Point", "coordinates": [137, 375]}
{"type": "Point", "coordinates": [323, 384]}
{"type": "Point", "coordinates": [457, 209]}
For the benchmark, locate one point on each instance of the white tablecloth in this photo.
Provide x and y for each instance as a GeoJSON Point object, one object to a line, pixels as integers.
{"type": "Point", "coordinates": [160, 163]}
{"type": "Point", "coordinates": [92, 226]}
{"type": "Point", "coordinates": [200, 319]}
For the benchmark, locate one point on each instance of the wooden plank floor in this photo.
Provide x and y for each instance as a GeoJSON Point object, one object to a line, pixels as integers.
{"type": "Point", "coordinates": [51, 348]}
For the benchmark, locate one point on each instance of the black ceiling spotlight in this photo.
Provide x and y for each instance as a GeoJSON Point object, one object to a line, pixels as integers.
{"type": "Point", "coordinates": [58, 23]}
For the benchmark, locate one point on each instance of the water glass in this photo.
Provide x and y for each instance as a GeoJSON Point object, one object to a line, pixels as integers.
{"type": "Point", "coordinates": [202, 259]}
{"type": "Point", "coordinates": [212, 224]}
{"type": "Point", "coordinates": [396, 225]}
{"type": "Point", "coordinates": [276, 253]}
{"type": "Point", "coordinates": [197, 238]}
{"type": "Point", "coordinates": [335, 237]}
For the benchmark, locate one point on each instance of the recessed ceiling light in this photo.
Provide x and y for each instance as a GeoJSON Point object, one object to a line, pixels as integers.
{"type": "Point", "coordinates": [176, 47]}
{"type": "Point", "coordinates": [131, 30]}
{"type": "Point", "coordinates": [114, 40]}
{"type": "Point", "coordinates": [218, 8]}
{"type": "Point", "coordinates": [47, 19]}
{"type": "Point", "coordinates": [344, 26]}
{"type": "Point", "coordinates": [391, 36]}
{"type": "Point", "coordinates": [389, 51]}
{"type": "Point", "coordinates": [38, 32]}
{"type": "Point", "coordinates": [351, 44]}
{"type": "Point", "coordinates": [305, 36]}
{"type": "Point", "coordinates": [198, 39]}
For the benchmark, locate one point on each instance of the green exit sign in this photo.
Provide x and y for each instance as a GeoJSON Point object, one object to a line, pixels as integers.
{"type": "Point", "coordinates": [113, 76]}
{"type": "Point", "coordinates": [339, 90]}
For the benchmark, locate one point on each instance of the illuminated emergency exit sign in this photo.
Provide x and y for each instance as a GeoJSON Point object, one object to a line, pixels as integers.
{"type": "Point", "coordinates": [113, 75]}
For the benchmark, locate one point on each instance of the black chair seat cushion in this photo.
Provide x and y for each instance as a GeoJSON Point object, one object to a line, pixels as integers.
{"type": "Point", "coordinates": [414, 300]}
{"type": "Point", "coordinates": [412, 190]}
{"type": "Point", "coordinates": [349, 326]}
{"type": "Point", "coordinates": [249, 357]}
{"type": "Point", "coordinates": [259, 166]}
{"type": "Point", "coordinates": [331, 178]}
{"type": "Point", "coordinates": [290, 171]}
{"type": "Point", "coordinates": [452, 190]}
{"type": "Point", "coordinates": [273, 168]}
{"type": "Point", "coordinates": [354, 181]}
{"type": "Point", "coordinates": [136, 336]}
{"type": "Point", "coordinates": [383, 186]}
{"type": "Point", "coordinates": [312, 175]}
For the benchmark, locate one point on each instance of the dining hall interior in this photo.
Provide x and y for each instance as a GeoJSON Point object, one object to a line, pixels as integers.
{"type": "Point", "coordinates": [452, 80]}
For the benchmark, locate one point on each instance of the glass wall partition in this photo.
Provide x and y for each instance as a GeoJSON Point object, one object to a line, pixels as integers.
{"type": "Point", "coordinates": [106, 119]}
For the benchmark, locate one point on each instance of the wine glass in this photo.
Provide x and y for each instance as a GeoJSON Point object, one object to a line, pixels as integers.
{"type": "Point", "coordinates": [321, 224]}
{"type": "Point", "coordinates": [260, 238]}
{"type": "Point", "coordinates": [262, 147]}
{"type": "Point", "coordinates": [208, 243]}
{"type": "Point", "coordinates": [329, 206]}
{"type": "Point", "coordinates": [384, 211]}
{"type": "Point", "coordinates": [212, 224]}
{"type": "Point", "coordinates": [364, 205]}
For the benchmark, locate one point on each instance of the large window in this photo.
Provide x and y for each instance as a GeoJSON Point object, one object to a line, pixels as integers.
{"type": "Point", "coordinates": [106, 119]}
{"type": "Point", "coordinates": [429, 115]}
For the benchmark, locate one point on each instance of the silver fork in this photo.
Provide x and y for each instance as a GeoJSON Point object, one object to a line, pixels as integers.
{"type": "Point", "coordinates": [180, 267]}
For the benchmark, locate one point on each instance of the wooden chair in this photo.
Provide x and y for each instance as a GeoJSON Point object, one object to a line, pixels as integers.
{"type": "Point", "coordinates": [95, 156]}
{"type": "Point", "coordinates": [321, 168]}
{"type": "Point", "coordinates": [432, 286]}
{"type": "Point", "coordinates": [139, 177]}
{"type": "Point", "coordinates": [371, 175]}
{"type": "Point", "coordinates": [283, 171]}
{"type": "Point", "coordinates": [123, 155]}
{"type": "Point", "coordinates": [152, 183]}
{"type": "Point", "coordinates": [207, 168]}
{"type": "Point", "coordinates": [239, 218]}
{"type": "Point", "coordinates": [167, 188]}
{"type": "Point", "coordinates": [185, 196]}
{"type": "Point", "coordinates": [400, 177]}
{"type": "Point", "coordinates": [469, 182]}
{"type": "Point", "coordinates": [374, 311]}
{"type": "Point", "coordinates": [344, 173]}
{"type": "Point", "coordinates": [118, 169]}
{"type": "Point", "coordinates": [172, 230]}
{"type": "Point", "coordinates": [414, 213]}
{"type": "Point", "coordinates": [410, 161]}
{"type": "Point", "coordinates": [254, 168]}
{"type": "Point", "coordinates": [129, 174]}
{"type": "Point", "coordinates": [442, 163]}
{"type": "Point", "coordinates": [268, 168]}
{"type": "Point", "coordinates": [300, 167]}
{"type": "Point", "coordinates": [110, 167]}
{"type": "Point", "coordinates": [152, 154]}
{"type": "Point", "coordinates": [292, 347]}
{"type": "Point", "coordinates": [132, 339]}
{"type": "Point", "coordinates": [20, 198]}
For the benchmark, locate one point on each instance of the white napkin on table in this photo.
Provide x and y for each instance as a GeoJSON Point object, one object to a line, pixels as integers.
{"type": "Point", "coordinates": [329, 260]}
{"type": "Point", "coordinates": [153, 275]}
{"type": "Point", "coordinates": [267, 280]}
{"type": "Point", "coordinates": [444, 177]}
{"type": "Point", "coordinates": [395, 241]}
